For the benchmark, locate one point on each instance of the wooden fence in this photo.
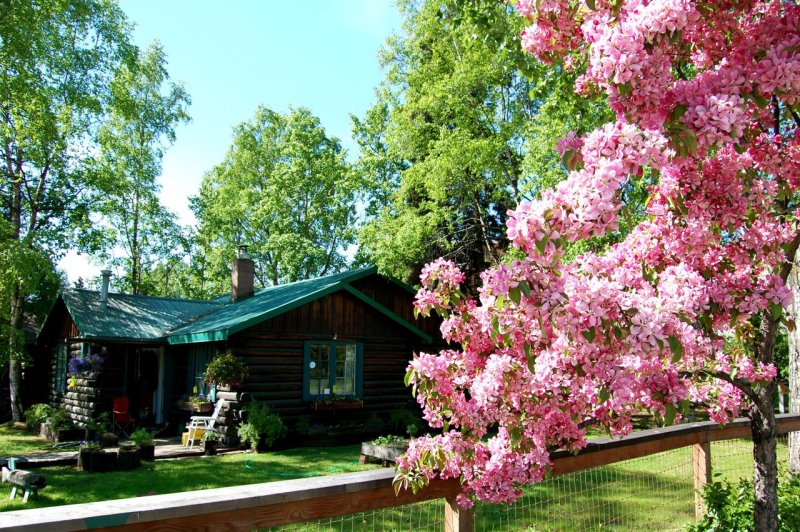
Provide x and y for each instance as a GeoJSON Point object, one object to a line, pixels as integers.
{"type": "Point", "coordinates": [293, 501]}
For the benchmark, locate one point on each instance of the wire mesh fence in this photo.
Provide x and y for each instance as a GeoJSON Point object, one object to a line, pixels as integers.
{"type": "Point", "coordinates": [652, 493]}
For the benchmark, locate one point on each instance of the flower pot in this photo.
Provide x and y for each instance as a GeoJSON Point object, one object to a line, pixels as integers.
{"type": "Point", "coordinates": [210, 447]}
{"type": "Point", "coordinates": [97, 460]}
{"type": "Point", "coordinates": [128, 458]}
{"type": "Point", "coordinates": [147, 452]}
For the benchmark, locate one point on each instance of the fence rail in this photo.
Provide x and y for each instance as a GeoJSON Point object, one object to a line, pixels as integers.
{"type": "Point", "coordinates": [293, 501]}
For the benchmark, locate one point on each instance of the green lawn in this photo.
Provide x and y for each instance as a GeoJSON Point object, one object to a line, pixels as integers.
{"type": "Point", "coordinates": [14, 440]}
{"type": "Point", "coordinates": [653, 493]}
{"type": "Point", "coordinates": [69, 485]}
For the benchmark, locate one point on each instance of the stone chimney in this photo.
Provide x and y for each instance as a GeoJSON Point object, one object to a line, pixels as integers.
{"type": "Point", "coordinates": [242, 276]}
{"type": "Point", "coordinates": [106, 274]}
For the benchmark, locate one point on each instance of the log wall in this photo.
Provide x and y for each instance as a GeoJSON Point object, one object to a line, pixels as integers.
{"type": "Point", "coordinates": [273, 351]}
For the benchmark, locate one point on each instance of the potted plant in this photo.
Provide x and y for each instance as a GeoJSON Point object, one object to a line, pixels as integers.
{"type": "Point", "coordinates": [60, 427]}
{"type": "Point", "coordinates": [261, 428]}
{"type": "Point", "coordinates": [97, 426]}
{"type": "Point", "coordinates": [226, 370]}
{"type": "Point", "coordinates": [210, 442]}
{"type": "Point", "coordinates": [82, 366]}
{"type": "Point", "coordinates": [145, 441]}
{"type": "Point", "coordinates": [87, 450]}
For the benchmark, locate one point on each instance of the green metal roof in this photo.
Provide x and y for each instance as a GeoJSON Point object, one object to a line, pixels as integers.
{"type": "Point", "coordinates": [184, 321]}
{"type": "Point", "coordinates": [276, 300]}
{"type": "Point", "coordinates": [129, 317]}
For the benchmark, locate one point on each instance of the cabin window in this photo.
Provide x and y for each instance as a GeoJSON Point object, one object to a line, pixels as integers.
{"type": "Point", "coordinates": [332, 368]}
{"type": "Point", "coordinates": [61, 369]}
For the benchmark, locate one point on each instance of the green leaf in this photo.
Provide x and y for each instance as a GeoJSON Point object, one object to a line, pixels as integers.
{"type": "Point", "coordinates": [603, 395]}
{"type": "Point", "coordinates": [591, 4]}
{"type": "Point", "coordinates": [624, 89]}
{"type": "Point", "coordinates": [669, 415]}
{"type": "Point", "coordinates": [407, 379]}
{"type": "Point", "coordinates": [676, 347]}
{"type": "Point", "coordinates": [776, 310]}
{"type": "Point", "coordinates": [589, 334]}
{"type": "Point", "coordinates": [759, 99]}
{"type": "Point", "coordinates": [515, 294]}
{"type": "Point", "coordinates": [678, 112]}
{"type": "Point", "coordinates": [523, 285]}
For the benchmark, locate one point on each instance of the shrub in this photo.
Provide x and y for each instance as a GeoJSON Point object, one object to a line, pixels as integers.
{"type": "Point", "coordinates": [261, 423]}
{"type": "Point", "coordinates": [37, 414]}
{"type": "Point", "coordinates": [730, 505]}
{"type": "Point", "coordinates": [59, 419]}
{"type": "Point", "coordinates": [402, 419]}
{"type": "Point", "coordinates": [142, 437]}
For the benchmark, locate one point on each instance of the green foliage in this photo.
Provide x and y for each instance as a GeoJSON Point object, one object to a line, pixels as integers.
{"type": "Point", "coordinates": [464, 128]}
{"type": "Point", "coordinates": [145, 109]}
{"type": "Point", "coordinates": [260, 422]}
{"type": "Point", "coordinates": [37, 414]}
{"type": "Point", "coordinates": [286, 191]}
{"type": "Point", "coordinates": [101, 423]}
{"type": "Point", "coordinates": [58, 59]}
{"type": "Point", "coordinates": [59, 419]}
{"type": "Point", "coordinates": [730, 505]}
{"type": "Point", "coordinates": [224, 369]}
{"type": "Point", "coordinates": [404, 420]}
{"type": "Point", "coordinates": [142, 437]}
{"type": "Point", "coordinates": [391, 441]}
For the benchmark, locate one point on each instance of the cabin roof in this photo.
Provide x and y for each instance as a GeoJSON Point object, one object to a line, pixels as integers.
{"type": "Point", "coordinates": [185, 321]}
{"type": "Point", "coordinates": [130, 317]}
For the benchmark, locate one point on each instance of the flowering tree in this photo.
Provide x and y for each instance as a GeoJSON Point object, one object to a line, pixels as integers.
{"type": "Point", "coordinates": [685, 310]}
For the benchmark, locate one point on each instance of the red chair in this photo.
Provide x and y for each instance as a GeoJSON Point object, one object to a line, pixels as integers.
{"type": "Point", "coordinates": [121, 417]}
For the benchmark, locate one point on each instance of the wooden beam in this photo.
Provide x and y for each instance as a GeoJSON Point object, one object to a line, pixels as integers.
{"type": "Point", "coordinates": [701, 464]}
{"type": "Point", "coordinates": [277, 503]}
{"type": "Point", "coordinates": [457, 519]}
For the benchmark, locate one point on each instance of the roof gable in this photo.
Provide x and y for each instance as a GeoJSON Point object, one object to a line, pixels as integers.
{"type": "Point", "coordinates": [276, 300]}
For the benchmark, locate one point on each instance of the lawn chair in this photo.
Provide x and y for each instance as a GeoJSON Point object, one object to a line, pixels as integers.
{"type": "Point", "coordinates": [121, 417]}
{"type": "Point", "coordinates": [202, 423]}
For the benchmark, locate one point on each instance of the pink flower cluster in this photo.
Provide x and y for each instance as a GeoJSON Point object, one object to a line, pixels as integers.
{"type": "Point", "coordinates": [547, 347]}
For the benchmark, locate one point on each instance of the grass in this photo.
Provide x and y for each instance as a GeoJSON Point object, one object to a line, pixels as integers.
{"type": "Point", "coordinates": [69, 485]}
{"type": "Point", "coordinates": [654, 492]}
{"type": "Point", "coordinates": [16, 439]}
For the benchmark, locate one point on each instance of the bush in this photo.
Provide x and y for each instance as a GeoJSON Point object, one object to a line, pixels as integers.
{"type": "Point", "coordinates": [403, 420]}
{"type": "Point", "coordinates": [59, 419]}
{"type": "Point", "coordinates": [142, 437]}
{"type": "Point", "coordinates": [261, 423]}
{"type": "Point", "coordinates": [730, 505]}
{"type": "Point", "coordinates": [37, 414]}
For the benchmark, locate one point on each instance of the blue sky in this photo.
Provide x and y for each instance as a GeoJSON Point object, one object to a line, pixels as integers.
{"type": "Point", "coordinates": [233, 56]}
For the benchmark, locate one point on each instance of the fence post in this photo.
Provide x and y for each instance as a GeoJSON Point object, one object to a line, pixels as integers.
{"type": "Point", "coordinates": [457, 519]}
{"type": "Point", "coordinates": [701, 460]}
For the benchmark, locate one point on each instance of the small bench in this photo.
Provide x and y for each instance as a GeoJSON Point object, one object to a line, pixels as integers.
{"type": "Point", "coordinates": [21, 479]}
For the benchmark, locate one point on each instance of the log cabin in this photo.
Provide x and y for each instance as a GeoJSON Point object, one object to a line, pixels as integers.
{"type": "Point", "coordinates": [346, 335]}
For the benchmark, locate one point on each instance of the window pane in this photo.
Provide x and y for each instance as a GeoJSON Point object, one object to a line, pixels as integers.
{"type": "Point", "coordinates": [345, 370]}
{"type": "Point", "coordinates": [318, 375]}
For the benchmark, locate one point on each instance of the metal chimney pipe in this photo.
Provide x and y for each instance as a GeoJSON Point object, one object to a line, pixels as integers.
{"type": "Point", "coordinates": [106, 274]}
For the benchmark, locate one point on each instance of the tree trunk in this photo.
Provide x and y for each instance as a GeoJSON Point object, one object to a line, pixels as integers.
{"type": "Point", "coordinates": [794, 366]}
{"type": "Point", "coordinates": [14, 355]}
{"type": "Point", "coordinates": [765, 475]}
